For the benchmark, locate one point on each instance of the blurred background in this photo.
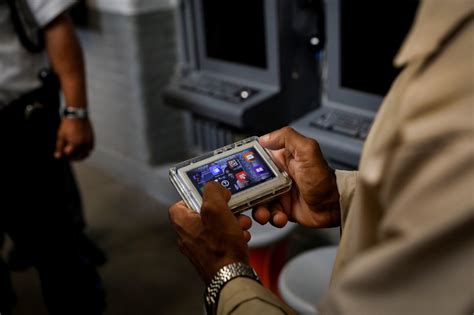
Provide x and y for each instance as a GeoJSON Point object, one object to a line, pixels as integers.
{"type": "Point", "coordinates": [170, 79]}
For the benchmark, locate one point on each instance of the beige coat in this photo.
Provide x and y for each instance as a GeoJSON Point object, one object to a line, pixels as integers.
{"type": "Point", "coordinates": [407, 243]}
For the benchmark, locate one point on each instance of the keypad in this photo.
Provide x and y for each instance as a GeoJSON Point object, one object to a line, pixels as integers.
{"type": "Point", "coordinates": [212, 87]}
{"type": "Point", "coordinates": [351, 125]}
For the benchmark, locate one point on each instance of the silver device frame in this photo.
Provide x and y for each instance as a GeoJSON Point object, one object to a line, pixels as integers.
{"type": "Point", "coordinates": [240, 201]}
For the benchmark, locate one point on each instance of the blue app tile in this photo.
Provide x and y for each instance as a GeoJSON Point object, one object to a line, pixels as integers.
{"type": "Point", "coordinates": [259, 169]}
{"type": "Point", "coordinates": [215, 170]}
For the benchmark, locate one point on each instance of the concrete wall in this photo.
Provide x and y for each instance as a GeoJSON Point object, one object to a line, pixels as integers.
{"type": "Point", "coordinates": [130, 59]}
{"type": "Point", "coordinates": [131, 7]}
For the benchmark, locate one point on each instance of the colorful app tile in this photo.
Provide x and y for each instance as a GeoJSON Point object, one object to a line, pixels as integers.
{"type": "Point", "coordinates": [249, 156]}
{"type": "Point", "coordinates": [259, 169]}
{"type": "Point", "coordinates": [242, 177]}
{"type": "Point", "coordinates": [225, 183]}
{"type": "Point", "coordinates": [215, 170]}
{"type": "Point", "coordinates": [233, 164]}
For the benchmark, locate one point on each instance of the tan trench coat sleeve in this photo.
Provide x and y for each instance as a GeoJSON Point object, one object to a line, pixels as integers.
{"type": "Point", "coordinates": [243, 296]}
{"type": "Point", "coordinates": [346, 185]}
{"type": "Point", "coordinates": [408, 243]}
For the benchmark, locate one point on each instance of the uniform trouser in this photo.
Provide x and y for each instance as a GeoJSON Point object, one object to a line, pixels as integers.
{"type": "Point", "coordinates": [33, 209]}
{"type": "Point", "coordinates": [7, 297]}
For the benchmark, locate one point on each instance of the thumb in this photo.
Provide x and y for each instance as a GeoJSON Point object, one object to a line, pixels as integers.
{"type": "Point", "coordinates": [290, 140]}
{"type": "Point", "coordinates": [215, 210]}
{"type": "Point", "coordinates": [283, 138]}
{"type": "Point", "coordinates": [60, 143]}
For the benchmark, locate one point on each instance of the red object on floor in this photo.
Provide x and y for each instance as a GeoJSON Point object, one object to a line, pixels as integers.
{"type": "Point", "coordinates": [268, 262]}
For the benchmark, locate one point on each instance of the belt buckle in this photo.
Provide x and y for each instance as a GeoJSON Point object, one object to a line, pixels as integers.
{"type": "Point", "coordinates": [32, 108]}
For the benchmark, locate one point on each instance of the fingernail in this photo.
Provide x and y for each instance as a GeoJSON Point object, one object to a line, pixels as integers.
{"type": "Point", "coordinates": [264, 137]}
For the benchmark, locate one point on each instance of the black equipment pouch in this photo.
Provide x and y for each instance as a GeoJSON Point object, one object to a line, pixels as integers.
{"type": "Point", "coordinates": [38, 102]}
{"type": "Point", "coordinates": [45, 98]}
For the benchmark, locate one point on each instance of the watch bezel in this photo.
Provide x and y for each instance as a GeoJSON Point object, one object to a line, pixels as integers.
{"type": "Point", "coordinates": [75, 112]}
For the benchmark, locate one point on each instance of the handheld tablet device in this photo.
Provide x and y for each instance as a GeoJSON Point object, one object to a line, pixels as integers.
{"type": "Point", "coordinates": [245, 168]}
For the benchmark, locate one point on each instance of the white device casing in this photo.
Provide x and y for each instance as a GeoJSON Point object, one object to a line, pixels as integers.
{"type": "Point", "coordinates": [240, 201]}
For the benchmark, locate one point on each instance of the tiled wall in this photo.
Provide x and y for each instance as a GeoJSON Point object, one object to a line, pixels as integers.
{"type": "Point", "coordinates": [130, 59]}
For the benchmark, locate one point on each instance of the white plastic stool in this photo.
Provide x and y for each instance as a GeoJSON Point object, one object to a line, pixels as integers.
{"type": "Point", "coordinates": [305, 279]}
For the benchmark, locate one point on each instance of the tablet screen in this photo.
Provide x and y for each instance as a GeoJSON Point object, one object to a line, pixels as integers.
{"type": "Point", "coordinates": [237, 172]}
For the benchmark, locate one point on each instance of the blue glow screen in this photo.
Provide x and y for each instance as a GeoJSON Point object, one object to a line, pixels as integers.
{"type": "Point", "coordinates": [236, 172]}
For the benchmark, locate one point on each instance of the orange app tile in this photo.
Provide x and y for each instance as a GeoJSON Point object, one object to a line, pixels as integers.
{"type": "Point", "coordinates": [249, 156]}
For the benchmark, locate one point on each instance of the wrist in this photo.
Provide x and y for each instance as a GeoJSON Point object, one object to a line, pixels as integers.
{"type": "Point", "coordinates": [71, 112]}
{"type": "Point", "coordinates": [221, 278]}
{"type": "Point", "coordinates": [219, 264]}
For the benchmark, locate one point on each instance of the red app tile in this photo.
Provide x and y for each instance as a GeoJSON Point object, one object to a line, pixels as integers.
{"type": "Point", "coordinates": [242, 176]}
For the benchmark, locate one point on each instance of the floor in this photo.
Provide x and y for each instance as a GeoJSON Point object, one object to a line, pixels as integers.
{"type": "Point", "coordinates": [145, 273]}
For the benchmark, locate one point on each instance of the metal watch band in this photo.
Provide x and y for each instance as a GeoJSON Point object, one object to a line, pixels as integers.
{"type": "Point", "coordinates": [224, 275]}
{"type": "Point", "coordinates": [75, 112]}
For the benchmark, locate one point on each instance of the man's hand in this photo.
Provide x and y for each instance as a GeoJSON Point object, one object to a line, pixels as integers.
{"type": "Point", "coordinates": [313, 200]}
{"type": "Point", "coordinates": [215, 237]}
{"type": "Point", "coordinates": [75, 139]}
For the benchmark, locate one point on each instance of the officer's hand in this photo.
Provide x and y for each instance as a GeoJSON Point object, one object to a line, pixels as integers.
{"type": "Point", "coordinates": [215, 237]}
{"type": "Point", "coordinates": [75, 139]}
{"type": "Point", "coordinates": [313, 200]}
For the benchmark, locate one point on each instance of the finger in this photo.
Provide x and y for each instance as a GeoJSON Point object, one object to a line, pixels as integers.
{"type": "Point", "coordinates": [245, 222]}
{"type": "Point", "coordinates": [60, 143]}
{"type": "Point", "coordinates": [69, 150]}
{"type": "Point", "coordinates": [75, 155]}
{"type": "Point", "coordinates": [79, 153]}
{"type": "Point", "coordinates": [287, 138]}
{"type": "Point", "coordinates": [181, 203]}
{"type": "Point", "coordinates": [214, 191]}
{"type": "Point", "coordinates": [278, 217]}
{"type": "Point", "coordinates": [187, 224]}
{"type": "Point", "coordinates": [247, 236]}
{"type": "Point", "coordinates": [279, 157]}
{"type": "Point", "coordinates": [178, 213]}
{"type": "Point", "coordinates": [214, 210]}
{"type": "Point", "coordinates": [280, 139]}
{"type": "Point", "coordinates": [180, 207]}
{"type": "Point", "coordinates": [261, 214]}
{"type": "Point", "coordinates": [285, 201]}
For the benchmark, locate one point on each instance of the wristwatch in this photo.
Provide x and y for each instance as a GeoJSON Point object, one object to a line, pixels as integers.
{"type": "Point", "coordinates": [75, 112]}
{"type": "Point", "coordinates": [224, 275]}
